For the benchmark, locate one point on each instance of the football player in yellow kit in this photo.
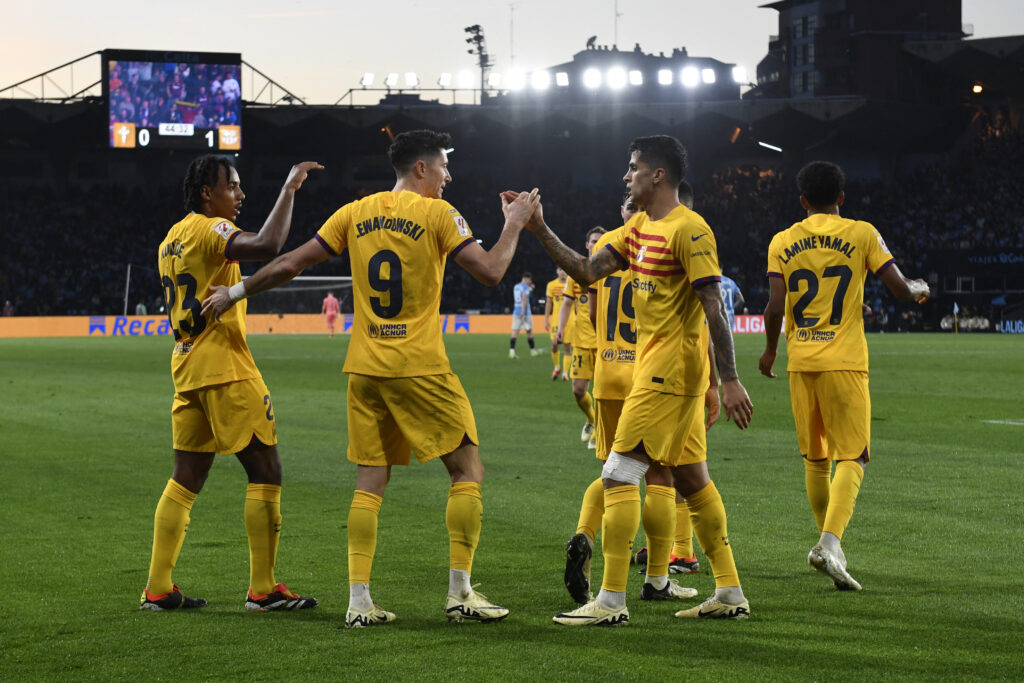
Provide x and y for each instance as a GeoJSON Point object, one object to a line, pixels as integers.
{"type": "Point", "coordinates": [816, 273]}
{"type": "Point", "coordinates": [402, 394]}
{"type": "Point", "coordinates": [673, 261]}
{"type": "Point", "coordinates": [552, 306]}
{"type": "Point", "coordinates": [221, 404]}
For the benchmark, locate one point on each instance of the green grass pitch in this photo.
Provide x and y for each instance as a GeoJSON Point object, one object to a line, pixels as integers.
{"type": "Point", "coordinates": [85, 452]}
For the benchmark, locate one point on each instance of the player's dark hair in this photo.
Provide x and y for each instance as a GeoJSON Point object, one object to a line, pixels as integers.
{"type": "Point", "coordinates": [413, 145]}
{"type": "Point", "coordinates": [820, 183]}
{"type": "Point", "coordinates": [203, 171]}
{"type": "Point", "coordinates": [596, 230]}
{"type": "Point", "coordinates": [662, 151]}
{"type": "Point", "coordinates": [528, 274]}
{"type": "Point", "coordinates": [685, 192]}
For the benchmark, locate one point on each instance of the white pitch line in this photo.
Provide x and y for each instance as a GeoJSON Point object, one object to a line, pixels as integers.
{"type": "Point", "coordinates": [1018, 423]}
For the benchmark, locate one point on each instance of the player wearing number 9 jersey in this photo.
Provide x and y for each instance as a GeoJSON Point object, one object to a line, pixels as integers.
{"type": "Point", "coordinates": [816, 271]}
{"type": "Point", "coordinates": [402, 395]}
{"type": "Point", "coordinates": [221, 404]}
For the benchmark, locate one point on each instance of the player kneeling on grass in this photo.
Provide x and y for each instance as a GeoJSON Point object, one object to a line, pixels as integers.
{"type": "Point", "coordinates": [816, 272]}
{"type": "Point", "coordinates": [221, 404]}
{"type": "Point", "coordinates": [402, 394]}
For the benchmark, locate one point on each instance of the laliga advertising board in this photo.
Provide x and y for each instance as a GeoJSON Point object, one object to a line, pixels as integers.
{"type": "Point", "coordinates": [179, 100]}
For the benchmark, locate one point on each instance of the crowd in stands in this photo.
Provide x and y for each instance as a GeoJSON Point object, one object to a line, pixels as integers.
{"type": "Point", "coordinates": [67, 253]}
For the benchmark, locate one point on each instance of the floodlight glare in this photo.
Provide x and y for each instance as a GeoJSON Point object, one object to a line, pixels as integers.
{"type": "Point", "coordinates": [411, 79]}
{"type": "Point", "coordinates": [690, 77]}
{"type": "Point", "coordinates": [367, 80]}
{"type": "Point", "coordinates": [664, 77]}
{"type": "Point", "coordinates": [516, 80]}
{"type": "Point", "coordinates": [774, 148]}
{"type": "Point", "coordinates": [739, 74]}
{"type": "Point", "coordinates": [493, 80]}
{"type": "Point", "coordinates": [445, 81]}
{"type": "Point", "coordinates": [562, 79]}
{"type": "Point", "coordinates": [540, 80]}
{"type": "Point", "coordinates": [592, 79]}
{"type": "Point", "coordinates": [392, 80]}
{"type": "Point", "coordinates": [707, 75]}
{"type": "Point", "coordinates": [616, 78]}
{"type": "Point", "coordinates": [466, 79]}
{"type": "Point", "coordinates": [636, 77]}
{"type": "Point", "coordinates": [977, 88]}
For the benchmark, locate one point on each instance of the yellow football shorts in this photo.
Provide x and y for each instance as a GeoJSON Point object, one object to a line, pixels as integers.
{"type": "Point", "coordinates": [223, 418]}
{"type": "Point", "coordinates": [390, 417]}
{"type": "Point", "coordinates": [670, 427]}
{"type": "Point", "coordinates": [607, 411]}
{"type": "Point", "coordinates": [582, 363]}
{"type": "Point", "coordinates": [832, 412]}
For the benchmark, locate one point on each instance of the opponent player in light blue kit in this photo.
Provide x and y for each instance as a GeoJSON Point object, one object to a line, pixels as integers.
{"type": "Point", "coordinates": [522, 316]}
{"type": "Point", "coordinates": [732, 297]}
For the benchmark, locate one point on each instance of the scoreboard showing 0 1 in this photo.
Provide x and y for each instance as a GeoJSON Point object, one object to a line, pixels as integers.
{"type": "Point", "coordinates": [173, 100]}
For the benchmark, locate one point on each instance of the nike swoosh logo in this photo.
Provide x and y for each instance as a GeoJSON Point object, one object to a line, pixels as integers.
{"type": "Point", "coordinates": [694, 239]}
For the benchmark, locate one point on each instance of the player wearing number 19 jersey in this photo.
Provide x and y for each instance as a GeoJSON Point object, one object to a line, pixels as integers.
{"type": "Point", "coordinates": [816, 271]}
{"type": "Point", "coordinates": [221, 404]}
{"type": "Point", "coordinates": [402, 394]}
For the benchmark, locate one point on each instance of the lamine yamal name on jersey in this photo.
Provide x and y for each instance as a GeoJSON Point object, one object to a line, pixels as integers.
{"type": "Point", "coordinates": [403, 226]}
{"type": "Point", "coordinates": [818, 242]}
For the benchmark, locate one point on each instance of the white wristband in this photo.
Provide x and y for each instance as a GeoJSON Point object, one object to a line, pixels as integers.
{"type": "Point", "coordinates": [237, 291]}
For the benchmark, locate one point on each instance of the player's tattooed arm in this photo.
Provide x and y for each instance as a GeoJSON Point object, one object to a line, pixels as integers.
{"type": "Point", "coordinates": [710, 296]}
{"type": "Point", "coordinates": [580, 268]}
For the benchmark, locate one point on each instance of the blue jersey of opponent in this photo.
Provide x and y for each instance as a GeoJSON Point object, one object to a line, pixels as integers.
{"type": "Point", "coordinates": [520, 290]}
{"type": "Point", "coordinates": [730, 292]}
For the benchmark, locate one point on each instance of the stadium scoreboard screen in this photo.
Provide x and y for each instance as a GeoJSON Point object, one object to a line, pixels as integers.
{"type": "Point", "coordinates": [183, 100]}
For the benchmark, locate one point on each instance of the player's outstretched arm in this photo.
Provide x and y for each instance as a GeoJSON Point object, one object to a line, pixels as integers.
{"type": "Point", "coordinates": [277, 272]}
{"type": "Point", "coordinates": [488, 267]}
{"type": "Point", "coordinates": [738, 407]}
{"type": "Point", "coordinates": [265, 244]}
{"type": "Point", "coordinates": [773, 314]}
{"type": "Point", "coordinates": [904, 288]}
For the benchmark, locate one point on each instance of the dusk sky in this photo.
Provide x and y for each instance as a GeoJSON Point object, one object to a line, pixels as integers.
{"type": "Point", "coordinates": [319, 49]}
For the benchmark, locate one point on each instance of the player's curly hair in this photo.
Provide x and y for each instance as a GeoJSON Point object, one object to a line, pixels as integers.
{"type": "Point", "coordinates": [662, 151]}
{"type": "Point", "coordinates": [413, 145]}
{"type": "Point", "coordinates": [203, 171]}
{"type": "Point", "coordinates": [820, 183]}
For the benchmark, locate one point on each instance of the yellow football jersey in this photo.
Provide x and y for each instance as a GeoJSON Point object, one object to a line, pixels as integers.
{"type": "Point", "coordinates": [583, 335]}
{"type": "Point", "coordinates": [554, 294]}
{"type": "Point", "coordinates": [190, 259]}
{"type": "Point", "coordinates": [616, 332]}
{"type": "Point", "coordinates": [823, 261]}
{"type": "Point", "coordinates": [667, 259]}
{"type": "Point", "coordinates": [398, 244]}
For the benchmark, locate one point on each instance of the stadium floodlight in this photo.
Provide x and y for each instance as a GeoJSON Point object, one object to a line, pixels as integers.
{"type": "Point", "coordinates": [690, 77]}
{"type": "Point", "coordinates": [445, 81]}
{"type": "Point", "coordinates": [562, 79]}
{"type": "Point", "coordinates": [592, 79]}
{"type": "Point", "coordinates": [664, 77]}
{"type": "Point", "coordinates": [494, 80]}
{"type": "Point", "coordinates": [616, 78]}
{"type": "Point", "coordinates": [411, 79]}
{"type": "Point", "coordinates": [540, 80]}
{"type": "Point", "coordinates": [707, 75]}
{"type": "Point", "coordinates": [466, 79]}
{"type": "Point", "coordinates": [774, 148]}
{"type": "Point", "coordinates": [515, 79]}
{"type": "Point", "coordinates": [392, 80]}
{"type": "Point", "coordinates": [636, 77]}
{"type": "Point", "coordinates": [367, 80]}
{"type": "Point", "coordinates": [977, 88]}
{"type": "Point", "coordinates": [739, 75]}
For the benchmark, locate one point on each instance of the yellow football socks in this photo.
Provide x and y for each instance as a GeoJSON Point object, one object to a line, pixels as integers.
{"type": "Point", "coordinates": [621, 521]}
{"type": "Point", "coordinates": [845, 487]}
{"type": "Point", "coordinates": [659, 518]}
{"type": "Point", "coordinates": [464, 517]}
{"type": "Point", "coordinates": [169, 526]}
{"type": "Point", "coordinates": [362, 535]}
{"type": "Point", "coordinates": [586, 404]}
{"type": "Point", "coordinates": [591, 510]}
{"type": "Point", "coordinates": [555, 358]}
{"type": "Point", "coordinates": [684, 531]}
{"type": "Point", "coordinates": [816, 476]}
{"type": "Point", "coordinates": [708, 515]}
{"type": "Point", "coordinates": [263, 527]}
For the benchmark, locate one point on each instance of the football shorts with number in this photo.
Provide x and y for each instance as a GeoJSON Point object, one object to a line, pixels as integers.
{"type": "Point", "coordinates": [582, 363]}
{"type": "Point", "coordinates": [223, 418]}
{"type": "Point", "coordinates": [670, 427]}
{"type": "Point", "coordinates": [832, 412]}
{"type": "Point", "coordinates": [522, 322]}
{"type": "Point", "coordinates": [390, 416]}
